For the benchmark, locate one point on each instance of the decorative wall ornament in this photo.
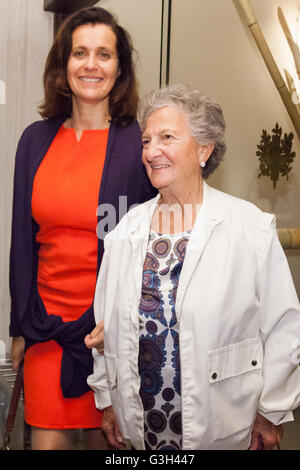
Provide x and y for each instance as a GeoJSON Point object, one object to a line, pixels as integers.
{"type": "Point", "coordinates": [285, 93]}
{"type": "Point", "coordinates": [275, 154]}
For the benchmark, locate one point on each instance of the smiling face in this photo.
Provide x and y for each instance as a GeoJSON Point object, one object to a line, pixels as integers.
{"type": "Point", "coordinates": [170, 153]}
{"type": "Point", "coordinates": [93, 65]}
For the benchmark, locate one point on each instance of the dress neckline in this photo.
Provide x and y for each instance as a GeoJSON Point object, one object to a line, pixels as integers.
{"type": "Point", "coordinates": [171, 235]}
{"type": "Point", "coordinates": [84, 132]}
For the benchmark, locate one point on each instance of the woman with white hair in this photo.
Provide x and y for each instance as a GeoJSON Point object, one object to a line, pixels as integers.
{"type": "Point", "coordinates": [201, 318]}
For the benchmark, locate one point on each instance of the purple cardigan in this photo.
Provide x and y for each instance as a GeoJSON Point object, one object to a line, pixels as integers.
{"type": "Point", "coordinates": [123, 174]}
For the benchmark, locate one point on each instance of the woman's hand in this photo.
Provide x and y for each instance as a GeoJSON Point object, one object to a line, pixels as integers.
{"type": "Point", "coordinates": [96, 338]}
{"type": "Point", "coordinates": [17, 351]}
{"type": "Point", "coordinates": [111, 428]}
{"type": "Point", "coordinates": [265, 435]}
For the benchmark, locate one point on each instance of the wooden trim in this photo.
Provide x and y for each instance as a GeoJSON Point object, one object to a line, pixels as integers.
{"type": "Point", "coordinates": [289, 237]}
{"type": "Point", "coordinates": [248, 14]}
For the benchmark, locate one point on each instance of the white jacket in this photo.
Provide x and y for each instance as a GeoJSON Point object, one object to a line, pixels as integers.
{"type": "Point", "coordinates": [239, 324]}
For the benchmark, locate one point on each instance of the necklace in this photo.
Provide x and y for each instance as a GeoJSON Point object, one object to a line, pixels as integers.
{"type": "Point", "coordinates": [107, 121]}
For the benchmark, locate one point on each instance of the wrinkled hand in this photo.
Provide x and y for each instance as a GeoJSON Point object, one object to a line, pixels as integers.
{"type": "Point", "coordinates": [111, 428]}
{"type": "Point", "coordinates": [96, 338]}
{"type": "Point", "coordinates": [17, 351]}
{"type": "Point", "coordinates": [265, 435]}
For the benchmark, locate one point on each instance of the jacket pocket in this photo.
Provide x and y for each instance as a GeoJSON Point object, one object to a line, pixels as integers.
{"type": "Point", "coordinates": [234, 359]}
{"type": "Point", "coordinates": [111, 369]}
{"type": "Point", "coordinates": [235, 383]}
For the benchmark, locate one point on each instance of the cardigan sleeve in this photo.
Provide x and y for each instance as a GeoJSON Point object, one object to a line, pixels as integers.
{"type": "Point", "coordinates": [280, 332]}
{"type": "Point", "coordinates": [17, 261]}
{"type": "Point", "coordinates": [31, 149]}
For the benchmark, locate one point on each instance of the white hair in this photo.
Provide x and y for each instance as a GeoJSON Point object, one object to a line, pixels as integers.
{"type": "Point", "coordinates": [205, 118]}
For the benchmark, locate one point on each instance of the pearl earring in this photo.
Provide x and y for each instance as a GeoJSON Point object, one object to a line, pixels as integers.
{"type": "Point", "coordinates": [202, 164]}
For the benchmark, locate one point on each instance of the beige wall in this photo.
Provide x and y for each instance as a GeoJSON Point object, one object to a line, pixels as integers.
{"type": "Point", "coordinates": [142, 19]}
{"type": "Point", "coordinates": [26, 33]}
{"type": "Point", "coordinates": [213, 50]}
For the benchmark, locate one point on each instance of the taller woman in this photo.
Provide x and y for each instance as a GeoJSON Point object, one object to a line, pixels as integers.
{"type": "Point", "coordinates": [85, 154]}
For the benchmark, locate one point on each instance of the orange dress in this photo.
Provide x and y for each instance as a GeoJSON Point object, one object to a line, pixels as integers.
{"type": "Point", "coordinates": [64, 205]}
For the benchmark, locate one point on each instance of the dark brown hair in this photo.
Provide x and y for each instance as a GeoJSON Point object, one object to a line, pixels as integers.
{"type": "Point", "coordinates": [123, 98]}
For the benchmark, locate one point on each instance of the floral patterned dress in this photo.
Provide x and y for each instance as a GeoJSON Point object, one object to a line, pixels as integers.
{"type": "Point", "coordinates": [159, 360]}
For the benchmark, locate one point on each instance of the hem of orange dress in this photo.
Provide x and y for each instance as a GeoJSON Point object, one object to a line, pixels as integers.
{"type": "Point", "coordinates": [48, 426]}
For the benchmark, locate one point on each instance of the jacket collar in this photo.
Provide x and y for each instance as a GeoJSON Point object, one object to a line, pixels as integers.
{"type": "Point", "coordinates": [210, 215]}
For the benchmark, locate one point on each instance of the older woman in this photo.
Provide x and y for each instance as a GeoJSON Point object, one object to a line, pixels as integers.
{"type": "Point", "coordinates": [86, 150]}
{"type": "Point", "coordinates": [201, 318]}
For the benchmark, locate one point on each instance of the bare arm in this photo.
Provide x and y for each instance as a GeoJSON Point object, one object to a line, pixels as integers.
{"type": "Point", "coordinates": [17, 351]}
